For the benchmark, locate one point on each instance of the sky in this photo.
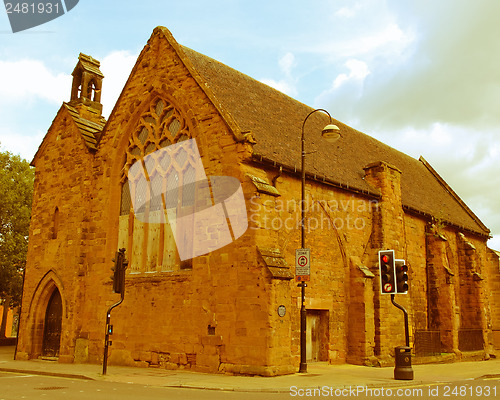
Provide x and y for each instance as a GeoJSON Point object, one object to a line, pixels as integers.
{"type": "Point", "coordinates": [422, 76]}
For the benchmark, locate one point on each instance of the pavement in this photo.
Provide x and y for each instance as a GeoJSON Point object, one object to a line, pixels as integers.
{"type": "Point", "coordinates": [318, 375]}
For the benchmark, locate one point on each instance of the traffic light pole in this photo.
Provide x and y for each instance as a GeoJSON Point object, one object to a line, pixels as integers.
{"type": "Point", "coordinates": [106, 338]}
{"type": "Point", "coordinates": [407, 334]}
{"type": "Point", "coordinates": [118, 287]}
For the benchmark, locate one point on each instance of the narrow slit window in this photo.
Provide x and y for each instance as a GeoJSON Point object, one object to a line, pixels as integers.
{"type": "Point", "coordinates": [55, 224]}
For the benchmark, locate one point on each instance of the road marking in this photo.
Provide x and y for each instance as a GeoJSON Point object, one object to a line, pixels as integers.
{"type": "Point", "coordinates": [14, 375]}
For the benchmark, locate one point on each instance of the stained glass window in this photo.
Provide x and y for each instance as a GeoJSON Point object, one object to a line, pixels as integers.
{"type": "Point", "coordinates": [151, 243]}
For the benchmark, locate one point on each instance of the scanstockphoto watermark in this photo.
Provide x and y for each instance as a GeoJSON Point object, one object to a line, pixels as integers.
{"type": "Point", "coordinates": [348, 214]}
{"type": "Point", "coordinates": [26, 14]}
{"type": "Point", "coordinates": [356, 391]}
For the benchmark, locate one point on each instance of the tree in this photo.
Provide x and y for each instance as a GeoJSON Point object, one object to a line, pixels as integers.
{"type": "Point", "coordinates": [16, 193]}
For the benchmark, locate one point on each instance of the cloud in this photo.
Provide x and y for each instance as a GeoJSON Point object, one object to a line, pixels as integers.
{"type": "Point", "coordinates": [467, 161]}
{"type": "Point", "coordinates": [369, 30]}
{"type": "Point", "coordinates": [18, 143]}
{"type": "Point", "coordinates": [358, 71]}
{"type": "Point", "coordinates": [31, 80]}
{"type": "Point", "coordinates": [286, 63]}
{"type": "Point", "coordinates": [286, 85]}
{"type": "Point", "coordinates": [28, 91]}
{"type": "Point", "coordinates": [446, 74]}
{"type": "Point", "coordinates": [28, 80]}
{"type": "Point", "coordinates": [116, 68]}
{"type": "Point", "coordinates": [348, 12]}
{"type": "Point", "coordinates": [432, 89]}
{"type": "Point", "coordinates": [282, 86]}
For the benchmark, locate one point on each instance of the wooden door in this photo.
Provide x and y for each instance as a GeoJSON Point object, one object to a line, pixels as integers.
{"type": "Point", "coordinates": [317, 335]}
{"type": "Point", "coordinates": [312, 336]}
{"type": "Point", "coordinates": [52, 326]}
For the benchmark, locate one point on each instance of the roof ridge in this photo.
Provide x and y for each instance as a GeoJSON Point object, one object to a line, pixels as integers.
{"type": "Point", "coordinates": [202, 83]}
{"type": "Point", "coordinates": [290, 98]}
{"type": "Point", "coordinates": [452, 193]}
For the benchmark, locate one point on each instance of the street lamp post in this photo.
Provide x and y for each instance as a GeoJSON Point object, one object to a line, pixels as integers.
{"type": "Point", "coordinates": [330, 133]}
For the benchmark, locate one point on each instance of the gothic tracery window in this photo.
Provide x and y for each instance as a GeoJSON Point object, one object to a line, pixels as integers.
{"type": "Point", "coordinates": [150, 245]}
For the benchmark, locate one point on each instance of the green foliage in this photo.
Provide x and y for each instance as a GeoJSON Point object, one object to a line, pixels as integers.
{"type": "Point", "coordinates": [16, 192]}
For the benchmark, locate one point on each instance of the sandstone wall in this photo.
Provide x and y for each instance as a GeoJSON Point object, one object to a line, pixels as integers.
{"type": "Point", "coordinates": [220, 312]}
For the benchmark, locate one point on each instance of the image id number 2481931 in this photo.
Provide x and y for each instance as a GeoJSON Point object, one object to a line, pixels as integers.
{"type": "Point", "coordinates": [18, 7]}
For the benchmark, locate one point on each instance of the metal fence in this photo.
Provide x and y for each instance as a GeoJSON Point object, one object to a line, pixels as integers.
{"type": "Point", "coordinates": [427, 343]}
{"type": "Point", "coordinates": [470, 339]}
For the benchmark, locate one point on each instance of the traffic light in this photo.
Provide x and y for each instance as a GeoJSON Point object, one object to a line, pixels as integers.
{"type": "Point", "coordinates": [387, 271]}
{"type": "Point", "coordinates": [401, 277]}
{"type": "Point", "coordinates": [119, 271]}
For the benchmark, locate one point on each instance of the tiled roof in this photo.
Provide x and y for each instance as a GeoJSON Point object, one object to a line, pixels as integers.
{"type": "Point", "coordinates": [89, 130]}
{"type": "Point", "coordinates": [89, 64]}
{"type": "Point", "coordinates": [275, 121]}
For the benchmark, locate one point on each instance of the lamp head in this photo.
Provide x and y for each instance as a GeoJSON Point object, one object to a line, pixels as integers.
{"type": "Point", "coordinates": [331, 133]}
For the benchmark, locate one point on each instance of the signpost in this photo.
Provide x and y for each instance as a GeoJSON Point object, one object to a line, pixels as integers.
{"type": "Point", "coordinates": [303, 274]}
{"type": "Point", "coordinates": [302, 265]}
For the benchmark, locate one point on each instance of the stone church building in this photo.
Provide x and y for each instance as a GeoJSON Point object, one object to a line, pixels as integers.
{"type": "Point", "coordinates": [218, 311]}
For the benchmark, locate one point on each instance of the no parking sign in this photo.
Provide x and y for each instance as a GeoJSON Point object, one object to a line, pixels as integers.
{"type": "Point", "coordinates": [302, 265]}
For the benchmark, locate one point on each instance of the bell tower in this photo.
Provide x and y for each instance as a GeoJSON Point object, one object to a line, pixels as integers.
{"type": "Point", "coordinates": [87, 84]}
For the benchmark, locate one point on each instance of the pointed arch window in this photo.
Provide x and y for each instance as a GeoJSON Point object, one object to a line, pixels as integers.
{"type": "Point", "coordinates": [151, 246]}
{"type": "Point", "coordinates": [91, 90]}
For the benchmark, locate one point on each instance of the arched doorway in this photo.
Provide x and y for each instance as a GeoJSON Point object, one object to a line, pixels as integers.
{"type": "Point", "coordinates": [52, 326]}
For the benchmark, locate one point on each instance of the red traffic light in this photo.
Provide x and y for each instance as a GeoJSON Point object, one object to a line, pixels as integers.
{"type": "Point", "coordinates": [387, 272]}
{"type": "Point", "coordinates": [401, 267]}
{"type": "Point", "coordinates": [401, 277]}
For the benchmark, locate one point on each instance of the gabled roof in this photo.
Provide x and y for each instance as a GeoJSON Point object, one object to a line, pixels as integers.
{"type": "Point", "coordinates": [275, 121]}
{"type": "Point", "coordinates": [87, 63]}
{"type": "Point", "coordinates": [90, 130]}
